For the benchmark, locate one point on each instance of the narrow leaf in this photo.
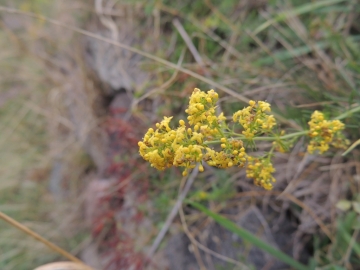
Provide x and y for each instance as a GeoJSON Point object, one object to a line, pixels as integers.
{"type": "Point", "coordinates": [296, 11]}
{"type": "Point", "coordinates": [343, 205]}
{"type": "Point", "coordinates": [351, 147]}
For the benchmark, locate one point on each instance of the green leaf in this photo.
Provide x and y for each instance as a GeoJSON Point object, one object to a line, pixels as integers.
{"type": "Point", "coordinates": [356, 225]}
{"type": "Point", "coordinates": [334, 267]}
{"type": "Point", "coordinates": [346, 235]}
{"type": "Point", "coordinates": [247, 236]}
{"type": "Point", "coordinates": [343, 205]}
{"type": "Point", "coordinates": [356, 207]}
{"type": "Point", "coordinates": [288, 54]}
{"type": "Point", "coordinates": [351, 147]}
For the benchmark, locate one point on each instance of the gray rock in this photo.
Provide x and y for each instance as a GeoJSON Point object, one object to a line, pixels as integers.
{"type": "Point", "coordinates": [118, 68]}
{"type": "Point", "coordinates": [230, 245]}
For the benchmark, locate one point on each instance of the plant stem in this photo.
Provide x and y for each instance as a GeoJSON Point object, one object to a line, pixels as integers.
{"type": "Point", "coordinates": [41, 239]}
{"type": "Point", "coordinates": [288, 136]}
{"type": "Point", "coordinates": [347, 113]}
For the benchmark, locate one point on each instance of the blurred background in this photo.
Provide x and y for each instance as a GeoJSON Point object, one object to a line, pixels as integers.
{"type": "Point", "coordinates": [74, 102]}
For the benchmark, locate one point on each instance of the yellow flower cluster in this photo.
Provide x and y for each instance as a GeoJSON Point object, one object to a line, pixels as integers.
{"type": "Point", "coordinates": [232, 154]}
{"type": "Point", "coordinates": [254, 119]}
{"type": "Point", "coordinates": [261, 169]}
{"type": "Point", "coordinates": [201, 113]}
{"type": "Point", "coordinates": [184, 147]}
{"type": "Point", "coordinates": [324, 133]}
{"type": "Point", "coordinates": [166, 147]}
{"type": "Point", "coordinates": [207, 138]}
{"type": "Point", "coordinates": [187, 146]}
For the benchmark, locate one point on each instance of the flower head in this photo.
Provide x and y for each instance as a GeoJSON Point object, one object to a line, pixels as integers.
{"type": "Point", "coordinates": [261, 169]}
{"type": "Point", "coordinates": [325, 133]}
{"type": "Point", "coordinates": [202, 112]}
{"type": "Point", "coordinates": [254, 119]}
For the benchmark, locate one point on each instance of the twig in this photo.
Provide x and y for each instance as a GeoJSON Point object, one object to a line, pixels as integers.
{"type": "Point", "coordinates": [194, 52]}
{"type": "Point", "coordinates": [106, 21]}
{"type": "Point", "coordinates": [33, 234]}
{"type": "Point", "coordinates": [346, 257]}
{"type": "Point", "coordinates": [203, 28]}
{"type": "Point", "coordinates": [161, 87]}
{"type": "Point", "coordinates": [173, 213]}
{"type": "Point", "coordinates": [188, 42]}
{"type": "Point", "coordinates": [195, 244]}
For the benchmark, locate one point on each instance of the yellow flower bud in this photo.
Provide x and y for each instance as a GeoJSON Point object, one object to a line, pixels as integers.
{"type": "Point", "coordinates": [203, 195]}
{"type": "Point", "coordinates": [200, 107]}
{"type": "Point", "coordinates": [201, 168]}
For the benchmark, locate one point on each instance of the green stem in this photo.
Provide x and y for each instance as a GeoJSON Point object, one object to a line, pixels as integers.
{"type": "Point", "coordinates": [346, 114]}
{"type": "Point", "coordinates": [288, 136]}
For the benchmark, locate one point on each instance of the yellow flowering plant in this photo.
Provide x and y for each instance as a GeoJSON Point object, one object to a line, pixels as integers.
{"type": "Point", "coordinates": [208, 138]}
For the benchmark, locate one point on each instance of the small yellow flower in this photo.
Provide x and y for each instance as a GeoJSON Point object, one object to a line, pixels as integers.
{"type": "Point", "coordinates": [254, 120]}
{"type": "Point", "coordinates": [324, 133]}
{"type": "Point", "coordinates": [203, 195]}
{"type": "Point", "coordinates": [201, 168]}
{"type": "Point", "coordinates": [261, 169]}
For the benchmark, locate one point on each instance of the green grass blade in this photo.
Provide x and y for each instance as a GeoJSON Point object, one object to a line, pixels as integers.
{"type": "Point", "coordinates": [296, 11]}
{"type": "Point", "coordinates": [288, 54]}
{"type": "Point", "coordinates": [351, 147]}
{"type": "Point", "coordinates": [348, 113]}
{"type": "Point", "coordinates": [247, 236]}
{"type": "Point", "coordinates": [348, 239]}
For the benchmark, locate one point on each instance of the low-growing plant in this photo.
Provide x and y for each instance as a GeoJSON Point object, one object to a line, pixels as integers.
{"type": "Point", "coordinates": [209, 138]}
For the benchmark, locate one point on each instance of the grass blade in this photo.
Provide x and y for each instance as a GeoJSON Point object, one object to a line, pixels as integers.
{"type": "Point", "coordinates": [351, 147]}
{"type": "Point", "coordinates": [296, 11]}
{"type": "Point", "coordinates": [244, 234]}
